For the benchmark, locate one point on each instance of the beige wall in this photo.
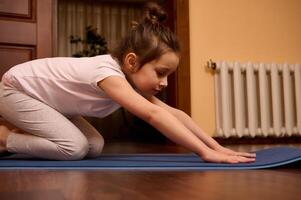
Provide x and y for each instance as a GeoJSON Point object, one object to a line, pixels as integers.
{"type": "Point", "coordinates": [242, 30]}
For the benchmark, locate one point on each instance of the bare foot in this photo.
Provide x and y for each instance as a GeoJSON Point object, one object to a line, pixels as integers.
{"type": "Point", "coordinates": [4, 132]}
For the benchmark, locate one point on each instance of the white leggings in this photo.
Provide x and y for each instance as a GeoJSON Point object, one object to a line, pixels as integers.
{"type": "Point", "coordinates": [51, 135]}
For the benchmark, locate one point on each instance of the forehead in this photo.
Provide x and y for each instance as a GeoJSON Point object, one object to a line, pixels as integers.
{"type": "Point", "coordinates": [168, 60]}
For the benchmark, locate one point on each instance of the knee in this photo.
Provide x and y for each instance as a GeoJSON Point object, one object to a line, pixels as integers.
{"type": "Point", "coordinates": [77, 150]}
{"type": "Point", "coordinates": [96, 146]}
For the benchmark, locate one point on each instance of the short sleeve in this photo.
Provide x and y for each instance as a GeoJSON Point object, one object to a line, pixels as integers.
{"type": "Point", "coordinates": [103, 72]}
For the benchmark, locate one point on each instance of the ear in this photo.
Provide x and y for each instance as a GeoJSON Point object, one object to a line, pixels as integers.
{"type": "Point", "coordinates": [131, 62]}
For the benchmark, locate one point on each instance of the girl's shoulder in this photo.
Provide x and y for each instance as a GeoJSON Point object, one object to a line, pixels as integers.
{"type": "Point", "coordinates": [108, 61]}
{"type": "Point", "coordinates": [106, 58]}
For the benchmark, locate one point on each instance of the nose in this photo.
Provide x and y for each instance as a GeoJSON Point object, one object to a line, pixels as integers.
{"type": "Point", "coordinates": [163, 83]}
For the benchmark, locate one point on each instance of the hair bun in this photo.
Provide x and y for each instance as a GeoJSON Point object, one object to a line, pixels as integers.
{"type": "Point", "coordinates": [154, 13]}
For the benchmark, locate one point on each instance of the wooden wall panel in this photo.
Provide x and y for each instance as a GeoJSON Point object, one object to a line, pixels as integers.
{"type": "Point", "coordinates": [15, 32]}
{"type": "Point", "coordinates": [12, 55]}
{"type": "Point", "coordinates": [19, 9]}
{"type": "Point", "coordinates": [18, 35]}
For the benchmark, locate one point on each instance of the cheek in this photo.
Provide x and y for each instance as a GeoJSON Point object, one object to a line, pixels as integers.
{"type": "Point", "coordinates": [148, 80]}
{"type": "Point", "coordinates": [152, 78]}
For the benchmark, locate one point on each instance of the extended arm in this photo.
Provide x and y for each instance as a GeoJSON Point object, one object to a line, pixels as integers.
{"type": "Point", "coordinates": [186, 120]}
{"type": "Point", "coordinates": [122, 92]}
{"type": "Point", "coordinates": [195, 129]}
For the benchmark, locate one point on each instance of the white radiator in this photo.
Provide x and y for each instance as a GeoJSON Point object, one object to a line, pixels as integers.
{"type": "Point", "coordinates": [257, 99]}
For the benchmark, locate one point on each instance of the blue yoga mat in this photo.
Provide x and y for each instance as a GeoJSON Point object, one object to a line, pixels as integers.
{"type": "Point", "coordinates": [266, 158]}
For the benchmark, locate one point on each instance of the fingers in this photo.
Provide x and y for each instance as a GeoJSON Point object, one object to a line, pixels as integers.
{"type": "Point", "coordinates": [236, 153]}
{"type": "Point", "coordinates": [248, 155]}
{"type": "Point", "coordinates": [246, 160]}
{"type": "Point", "coordinates": [240, 159]}
{"type": "Point", "coordinates": [218, 157]}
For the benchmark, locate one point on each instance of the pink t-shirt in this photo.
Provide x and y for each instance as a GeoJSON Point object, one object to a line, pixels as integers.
{"type": "Point", "coordinates": [67, 84]}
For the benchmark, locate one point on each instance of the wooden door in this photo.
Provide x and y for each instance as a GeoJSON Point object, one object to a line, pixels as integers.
{"type": "Point", "coordinates": [25, 31]}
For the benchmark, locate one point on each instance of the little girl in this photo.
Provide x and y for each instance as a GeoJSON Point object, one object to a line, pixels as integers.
{"type": "Point", "coordinates": [46, 98]}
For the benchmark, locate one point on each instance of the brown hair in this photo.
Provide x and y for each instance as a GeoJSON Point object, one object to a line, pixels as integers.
{"type": "Point", "coordinates": [148, 39]}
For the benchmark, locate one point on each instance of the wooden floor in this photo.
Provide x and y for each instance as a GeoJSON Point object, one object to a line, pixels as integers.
{"type": "Point", "coordinates": [207, 185]}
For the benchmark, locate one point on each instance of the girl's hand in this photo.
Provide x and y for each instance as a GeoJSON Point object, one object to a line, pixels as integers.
{"type": "Point", "coordinates": [218, 157]}
{"type": "Point", "coordinates": [227, 151]}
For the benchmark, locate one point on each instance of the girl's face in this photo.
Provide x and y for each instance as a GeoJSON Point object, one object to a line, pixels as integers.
{"type": "Point", "coordinates": [151, 78]}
